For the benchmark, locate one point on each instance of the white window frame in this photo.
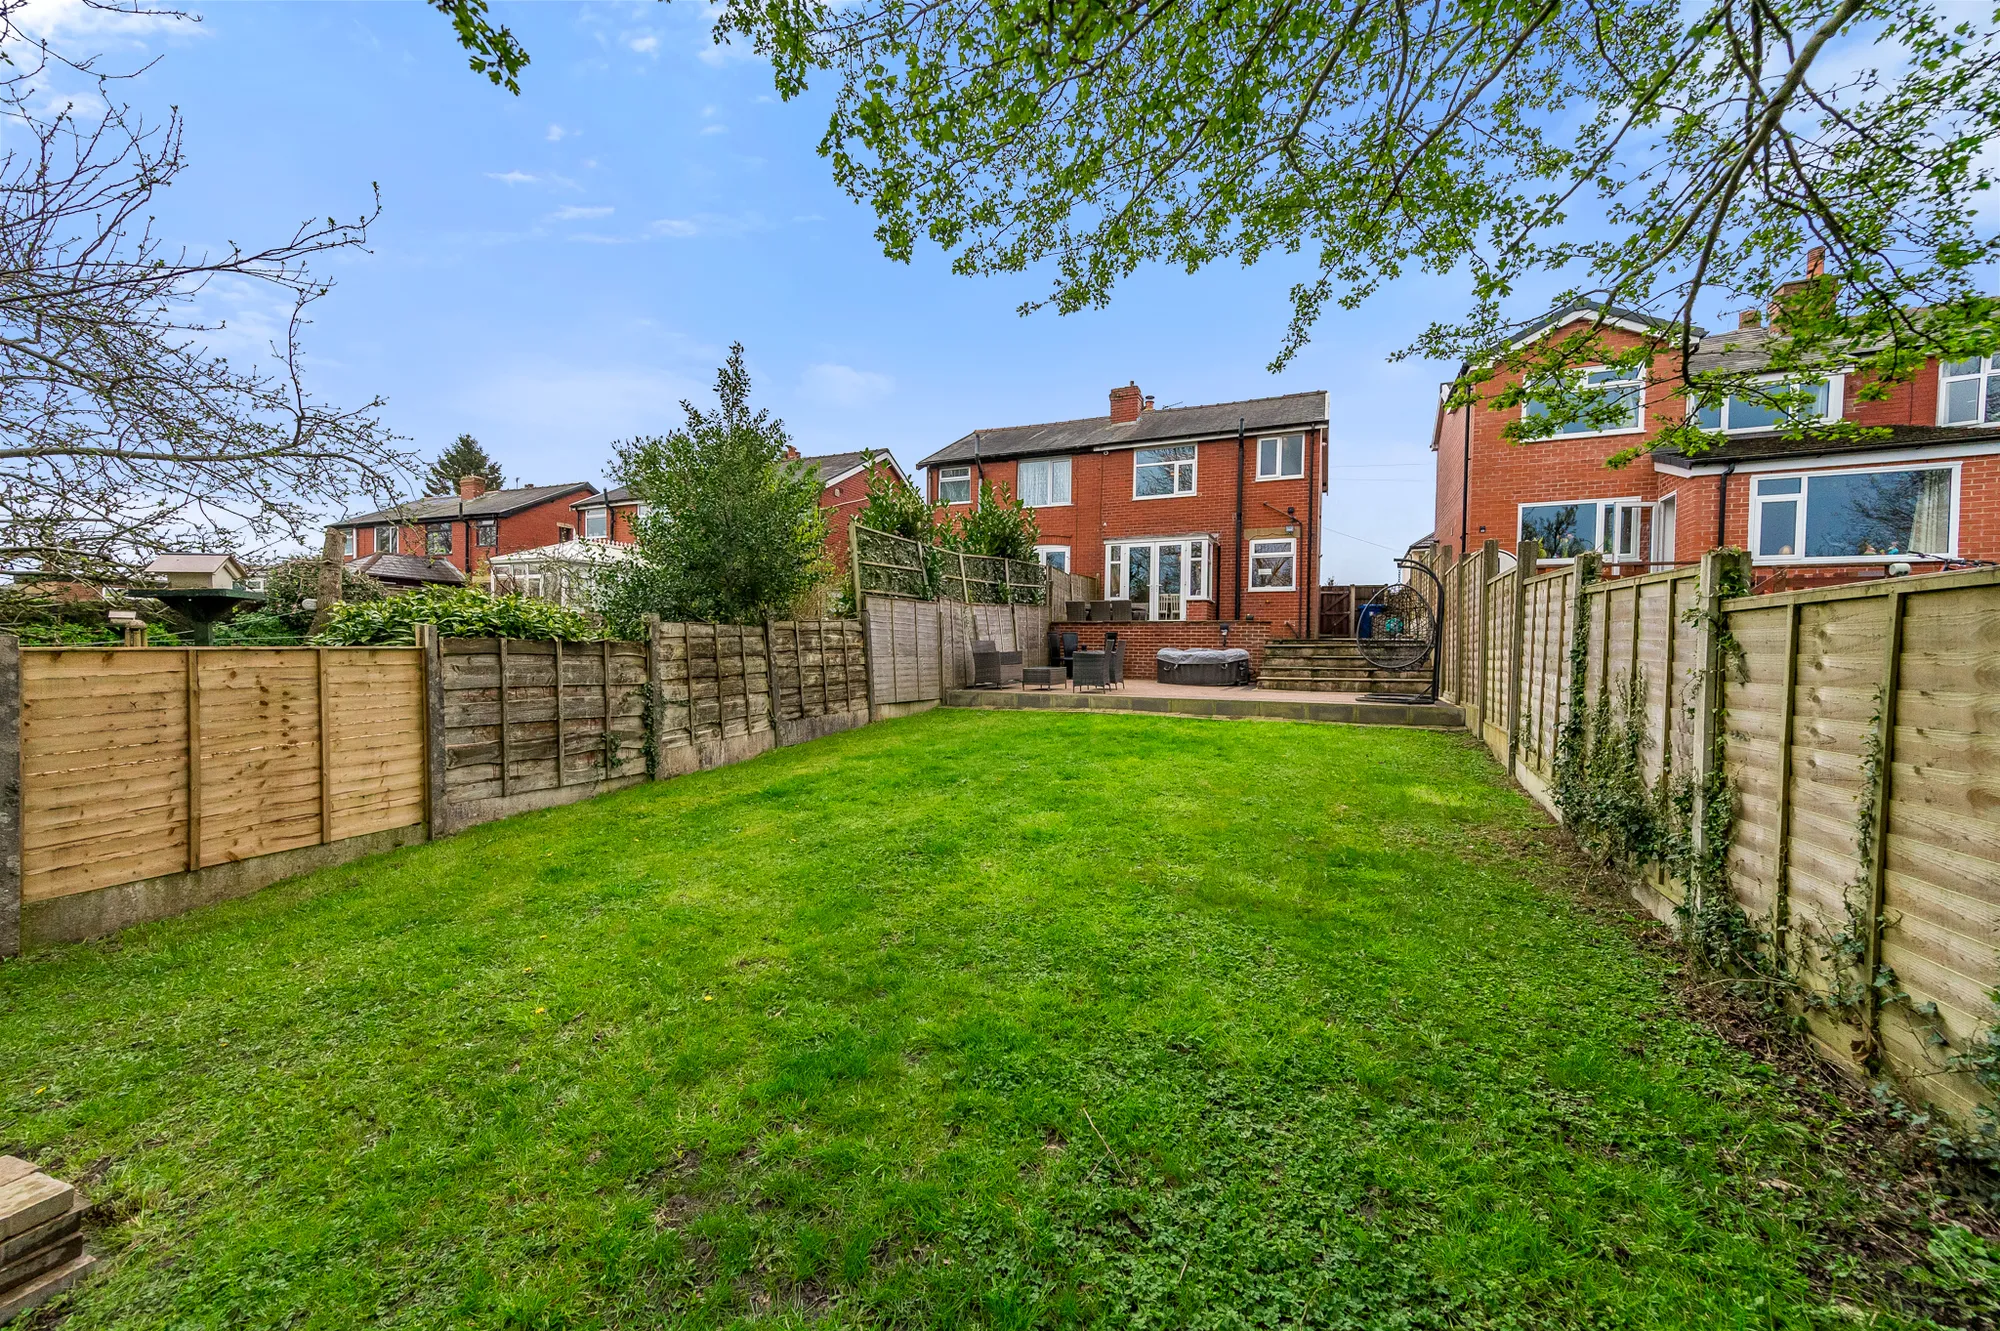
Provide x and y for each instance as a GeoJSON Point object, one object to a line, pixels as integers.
{"type": "Point", "coordinates": [1042, 553]}
{"type": "Point", "coordinates": [599, 517]}
{"type": "Point", "coordinates": [1280, 474]}
{"type": "Point", "coordinates": [395, 546]}
{"type": "Point", "coordinates": [350, 541]}
{"type": "Point", "coordinates": [1836, 404]}
{"type": "Point", "coordinates": [1607, 521]}
{"type": "Point", "coordinates": [1191, 462]}
{"type": "Point", "coordinates": [1291, 544]}
{"type": "Point", "coordinates": [1639, 428]}
{"type": "Point", "coordinates": [1049, 466]}
{"type": "Point", "coordinates": [1666, 514]}
{"type": "Point", "coordinates": [1803, 497]}
{"type": "Point", "coordinates": [1197, 552]}
{"type": "Point", "coordinates": [1989, 366]}
{"type": "Point", "coordinates": [951, 476]}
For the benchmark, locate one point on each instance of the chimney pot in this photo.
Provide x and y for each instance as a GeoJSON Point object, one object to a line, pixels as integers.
{"type": "Point", "coordinates": [1125, 403]}
{"type": "Point", "coordinates": [1751, 318]}
{"type": "Point", "coordinates": [1148, 402]}
{"type": "Point", "coordinates": [471, 487]}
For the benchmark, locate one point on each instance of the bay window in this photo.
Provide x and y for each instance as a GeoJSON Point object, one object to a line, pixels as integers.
{"type": "Point", "coordinates": [1971, 392]}
{"type": "Point", "coordinates": [1160, 472]}
{"type": "Point", "coordinates": [1282, 458]}
{"type": "Point", "coordinates": [1274, 565]}
{"type": "Point", "coordinates": [1854, 515]}
{"type": "Point", "coordinates": [954, 485]}
{"type": "Point", "coordinates": [1159, 577]}
{"type": "Point", "coordinates": [1044, 483]}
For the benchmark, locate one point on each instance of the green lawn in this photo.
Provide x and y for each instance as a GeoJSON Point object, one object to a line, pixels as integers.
{"type": "Point", "coordinates": [973, 1019]}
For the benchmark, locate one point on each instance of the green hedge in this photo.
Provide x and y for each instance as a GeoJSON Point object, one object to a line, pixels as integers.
{"type": "Point", "coordinates": [458, 612]}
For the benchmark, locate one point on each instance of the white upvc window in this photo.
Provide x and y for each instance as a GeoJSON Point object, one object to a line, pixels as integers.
{"type": "Point", "coordinates": [954, 485]}
{"type": "Point", "coordinates": [596, 524]}
{"type": "Point", "coordinates": [1739, 414]}
{"type": "Point", "coordinates": [1043, 483]}
{"type": "Point", "coordinates": [1626, 388]}
{"type": "Point", "coordinates": [1858, 515]}
{"type": "Point", "coordinates": [349, 540]}
{"type": "Point", "coordinates": [1281, 458]}
{"type": "Point", "coordinates": [1970, 391]}
{"type": "Point", "coordinates": [1274, 565]}
{"type": "Point", "coordinates": [385, 539]}
{"type": "Point", "coordinates": [1159, 576]}
{"type": "Point", "coordinates": [1566, 528]}
{"type": "Point", "coordinates": [1160, 473]}
{"type": "Point", "coordinates": [1055, 556]}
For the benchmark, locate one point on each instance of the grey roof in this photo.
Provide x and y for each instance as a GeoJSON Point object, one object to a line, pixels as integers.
{"type": "Point", "coordinates": [830, 465]}
{"type": "Point", "coordinates": [1561, 315]}
{"type": "Point", "coordinates": [492, 504]}
{"type": "Point", "coordinates": [193, 563]}
{"type": "Point", "coordinates": [407, 568]}
{"type": "Point", "coordinates": [1758, 447]}
{"type": "Point", "coordinates": [1215, 421]}
{"type": "Point", "coordinates": [617, 494]}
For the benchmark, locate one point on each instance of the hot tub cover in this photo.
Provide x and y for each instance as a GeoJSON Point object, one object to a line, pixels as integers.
{"type": "Point", "coordinates": [1202, 655]}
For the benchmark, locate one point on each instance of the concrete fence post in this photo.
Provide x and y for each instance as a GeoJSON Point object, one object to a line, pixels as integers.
{"type": "Point", "coordinates": [10, 795]}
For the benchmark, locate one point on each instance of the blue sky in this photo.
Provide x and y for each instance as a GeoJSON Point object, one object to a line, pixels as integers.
{"type": "Point", "coordinates": [554, 271]}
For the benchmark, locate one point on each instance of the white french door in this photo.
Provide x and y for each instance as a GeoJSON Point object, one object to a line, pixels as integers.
{"type": "Point", "coordinates": [1162, 576]}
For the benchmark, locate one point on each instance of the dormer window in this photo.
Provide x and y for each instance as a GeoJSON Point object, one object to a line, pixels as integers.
{"type": "Point", "coordinates": [1971, 393]}
{"type": "Point", "coordinates": [1757, 413]}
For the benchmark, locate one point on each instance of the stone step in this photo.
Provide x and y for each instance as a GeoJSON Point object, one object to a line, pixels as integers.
{"type": "Point", "coordinates": [1358, 671]}
{"type": "Point", "coordinates": [1343, 685]}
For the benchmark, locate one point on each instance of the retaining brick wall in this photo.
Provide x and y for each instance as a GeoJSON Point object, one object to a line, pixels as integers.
{"type": "Point", "coordinates": [1143, 641]}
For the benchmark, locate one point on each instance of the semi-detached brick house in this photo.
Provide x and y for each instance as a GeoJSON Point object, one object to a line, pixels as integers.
{"type": "Point", "coordinates": [843, 490]}
{"type": "Point", "coordinates": [1196, 514]}
{"type": "Point", "coordinates": [1810, 510]}
{"type": "Point", "coordinates": [448, 538]}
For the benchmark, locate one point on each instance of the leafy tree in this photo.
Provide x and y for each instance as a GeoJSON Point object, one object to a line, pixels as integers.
{"type": "Point", "coordinates": [121, 433]}
{"type": "Point", "coordinates": [999, 525]}
{"type": "Point", "coordinates": [732, 531]}
{"type": "Point", "coordinates": [465, 457]}
{"type": "Point", "coordinates": [296, 581]}
{"type": "Point", "coordinates": [1666, 158]}
{"type": "Point", "coordinates": [896, 506]}
{"type": "Point", "coordinates": [458, 612]}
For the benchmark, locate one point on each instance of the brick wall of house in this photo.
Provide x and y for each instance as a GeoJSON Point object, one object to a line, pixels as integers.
{"type": "Point", "coordinates": [531, 527]}
{"type": "Point", "coordinates": [1143, 641]}
{"type": "Point", "coordinates": [843, 501]}
{"type": "Point", "coordinates": [1506, 475]}
{"type": "Point", "coordinates": [1102, 510]}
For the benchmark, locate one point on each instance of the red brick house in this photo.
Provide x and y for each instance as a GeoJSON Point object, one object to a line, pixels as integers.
{"type": "Point", "coordinates": [448, 538]}
{"type": "Point", "coordinates": [1810, 510]}
{"type": "Point", "coordinates": [843, 490]}
{"type": "Point", "coordinates": [1207, 513]}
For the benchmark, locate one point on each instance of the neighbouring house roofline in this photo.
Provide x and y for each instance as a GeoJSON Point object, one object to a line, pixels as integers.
{"type": "Point", "coordinates": [1613, 316]}
{"type": "Point", "coordinates": [1160, 427]}
{"type": "Point", "coordinates": [447, 508]}
{"type": "Point", "coordinates": [409, 568]}
{"type": "Point", "coordinates": [618, 496]}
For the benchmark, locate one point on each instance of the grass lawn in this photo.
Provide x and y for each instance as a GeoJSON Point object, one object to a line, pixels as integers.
{"type": "Point", "coordinates": [973, 1019]}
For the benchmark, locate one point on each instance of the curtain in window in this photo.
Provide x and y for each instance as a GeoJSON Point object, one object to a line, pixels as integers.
{"type": "Point", "coordinates": [1930, 522]}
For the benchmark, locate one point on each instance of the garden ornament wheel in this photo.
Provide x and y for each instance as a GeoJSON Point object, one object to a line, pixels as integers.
{"type": "Point", "coordinates": [1399, 628]}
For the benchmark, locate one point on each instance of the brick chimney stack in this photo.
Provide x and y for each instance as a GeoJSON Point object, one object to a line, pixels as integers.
{"type": "Point", "coordinates": [1749, 318]}
{"type": "Point", "coordinates": [1816, 261]}
{"type": "Point", "coordinates": [1125, 403]}
{"type": "Point", "coordinates": [791, 453]}
{"type": "Point", "coordinates": [471, 487]}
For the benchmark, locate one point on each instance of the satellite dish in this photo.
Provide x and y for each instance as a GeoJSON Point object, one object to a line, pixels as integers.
{"type": "Point", "coordinates": [1399, 628]}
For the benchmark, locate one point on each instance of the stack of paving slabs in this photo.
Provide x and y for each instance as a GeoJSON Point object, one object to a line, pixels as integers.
{"type": "Point", "coordinates": [41, 1237]}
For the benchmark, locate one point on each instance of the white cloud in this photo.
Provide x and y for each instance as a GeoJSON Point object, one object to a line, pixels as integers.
{"type": "Point", "coordinates": [676, 227]}
{"type": "Point", "coordinates": [845, 386]}
{"type": "Point", "coordinates": [557, 133]}
{"type": "Point", "coordinates": [715, 129]}
{"type": "Point", "coordinates": [645, 43]}
{"type": "Point", "coordinates": [511, 177]}
{"type": "Point", "coordinates": [572, 213]}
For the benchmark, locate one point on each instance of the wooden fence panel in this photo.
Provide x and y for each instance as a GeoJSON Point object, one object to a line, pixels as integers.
{"type": "Point", "coordinates": [143, 762]}
{"type": "Point", "coordinates": [1756, 719]}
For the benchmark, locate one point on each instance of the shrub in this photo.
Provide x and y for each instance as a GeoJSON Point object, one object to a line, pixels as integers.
{"type": "Point", "coordinates": [458, 612]}
{"type": "Point", "coordinates": [296, 581]}
{"type": "Point", "coordinates": [998, 525]}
